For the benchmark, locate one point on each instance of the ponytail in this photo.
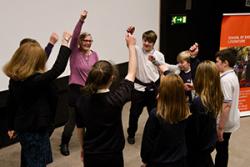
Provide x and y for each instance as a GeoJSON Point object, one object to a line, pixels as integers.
{"type": "Point", "coordinates": [100, 75]}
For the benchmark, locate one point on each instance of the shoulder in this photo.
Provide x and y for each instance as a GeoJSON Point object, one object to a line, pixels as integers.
{"type": "Point", "coordinates": [197, 100]}
{"type": "Point", "coordinates": [94, 53]}
{"type": "Point", "coordinates": [82, 100]}
{"type": "Point", "coordinates": [158, 53]}
{"type": "Point", "coordinates": [137, 47]}
{"type": "Point", "coordinates": [229, 80]}
{"type": "Point", "coordinates": [120, 94]}
{"type": "Point", "coordinates": [196, 105]}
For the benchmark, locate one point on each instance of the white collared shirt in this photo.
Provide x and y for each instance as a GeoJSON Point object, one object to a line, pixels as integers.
{"type": "Point", "coordinates": [231, 90]}
{"type": "Point", "coordinates": [146, 71]}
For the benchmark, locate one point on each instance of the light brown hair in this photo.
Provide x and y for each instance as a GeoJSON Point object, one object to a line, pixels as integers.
{"type": "Point", "coordinates": [184, 56]}
{"type": "Point", "coordinates": [28, 59]}
{"type": "Point", "coordinates": [207, 86]}
{"type": "Point", "coordinates": [149, 36]}
{"type": "Point", "coordinates": [101, 74]}
{"type": "Point", "coordinates": [172, 105]}
{"type": "Point", "coordinates": [26, 40]}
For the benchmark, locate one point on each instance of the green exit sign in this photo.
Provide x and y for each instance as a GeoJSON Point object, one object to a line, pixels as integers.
{"type": "Point", "coordinates": [179, 20]}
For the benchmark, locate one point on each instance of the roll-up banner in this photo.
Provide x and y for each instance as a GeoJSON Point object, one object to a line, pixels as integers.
{"type": "Point", "coordinates": [235, 32]}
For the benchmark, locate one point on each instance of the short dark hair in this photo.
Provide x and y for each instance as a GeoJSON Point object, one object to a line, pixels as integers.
{"type": "Point", "coordinates": [229, 55]}
{"type": "Point", "coordinates": [149, 36]}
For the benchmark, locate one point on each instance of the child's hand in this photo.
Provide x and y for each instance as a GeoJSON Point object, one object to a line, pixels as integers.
{"type": "Point", "coordinates": [194, 49]}
{"type": "Point", "coordinates": [53, 38]}
{"type": "Point", "coordinates": [130, 40]}
{"type": "Point", "coordinates": [188, 86]}
{"type": "Point", "coordinates": [12, 134]}
{"type": "Point", "coordinates": [131, 30]}
{"type": "Point", "coordinates": [151, 58]}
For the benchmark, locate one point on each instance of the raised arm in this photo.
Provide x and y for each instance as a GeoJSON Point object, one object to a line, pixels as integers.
{"type": "Point", "coordinates": [52, 41]}
{"type": "Point", "coordinates": [60, 63]}
{"type": "Point", "coordinates": [132, 64]}
{"type": "Point", "coordinates": [77, 30]}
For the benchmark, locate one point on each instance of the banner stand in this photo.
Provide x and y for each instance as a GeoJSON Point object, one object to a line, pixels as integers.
{"type": "Point", "coordinates": [235, 32]}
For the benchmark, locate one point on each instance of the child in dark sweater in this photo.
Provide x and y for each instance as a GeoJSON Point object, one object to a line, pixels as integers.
{"type": "Point", "coordinates": [98, 117]}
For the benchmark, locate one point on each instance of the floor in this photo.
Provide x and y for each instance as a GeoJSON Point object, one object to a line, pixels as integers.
{"type": "Point", "coordinates": [239, 148]}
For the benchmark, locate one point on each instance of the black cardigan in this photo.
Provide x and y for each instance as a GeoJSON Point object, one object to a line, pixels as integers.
{"type": "Point", "coordinates": [163, 143]}
{"type": "Point", "coordinates": [31, 104]}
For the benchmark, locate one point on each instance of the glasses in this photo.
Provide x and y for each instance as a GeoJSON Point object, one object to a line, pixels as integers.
{"type": "Point", "coordinates": [85, 40]}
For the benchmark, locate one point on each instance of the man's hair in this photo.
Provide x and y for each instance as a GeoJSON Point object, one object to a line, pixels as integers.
{"type": "Point", "coordinates": [229, 55]}
{"type": "Point", "coordinates": [149, 36]}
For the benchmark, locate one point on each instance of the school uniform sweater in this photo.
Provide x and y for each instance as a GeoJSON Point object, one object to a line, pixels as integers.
{"type": "Point", "coordinates": [100, 114]}
{"type": "Point", "coordinates": [31, 103]}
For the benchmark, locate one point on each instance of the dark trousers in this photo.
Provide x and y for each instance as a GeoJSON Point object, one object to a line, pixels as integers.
{"type": "Point", "coordinates": [180, 163]}
{"type": "Point", "coordinates": [221, 158]}
{"type": "Point", "coordinates": [138, 101]}
{"type": "Point", "coordinates": [69, 126]}
{"type": "Point", "coordinates": [109, 160]}
{"type": "Point", "coordinates": [74, 94]}
{"type": "Point", "coordinates": [201, 159]}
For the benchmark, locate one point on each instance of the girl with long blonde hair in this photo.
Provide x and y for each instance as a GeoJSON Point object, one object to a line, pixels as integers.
{"type": "Point", "coordinates": [31, 103]}
{"type": "Point", "coordinates": [163, 142]}
{"type": "Point", "coordinates": [201, 130]}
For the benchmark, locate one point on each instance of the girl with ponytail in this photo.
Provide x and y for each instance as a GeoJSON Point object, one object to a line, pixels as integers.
{"type": "Point", "coordinates": [98, 116]}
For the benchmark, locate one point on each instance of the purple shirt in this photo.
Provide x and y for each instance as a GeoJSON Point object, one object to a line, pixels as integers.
{"type": "Point", "coordinates": [80, 64]}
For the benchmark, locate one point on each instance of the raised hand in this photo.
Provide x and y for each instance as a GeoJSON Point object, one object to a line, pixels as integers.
{"type": "Point", "coordinates": [66, 38]}
{"type": "Point", "coordinates": [83, 15]}
{"type": "Point", "coordinates": [131, 30]}
{"type": "Point", "coordinates": [12, 134]}
{"type": "Point", "coordinates": [53, 38]}
{"type": "Point", "coordinates": [130, 40]}
{"type": "Point", "coordinates": [151, 58]}
{"type": "Point", "coordinates": [194, 49]}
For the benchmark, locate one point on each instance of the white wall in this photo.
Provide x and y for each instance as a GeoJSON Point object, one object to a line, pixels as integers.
{"type": "Point", "coordinates": [107, 21]}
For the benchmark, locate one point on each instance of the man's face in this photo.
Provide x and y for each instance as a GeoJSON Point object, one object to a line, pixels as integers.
{"type": "Point", "coordinates": [220, 65]}
{"type": "Point", "coordinates": [147, 45]}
